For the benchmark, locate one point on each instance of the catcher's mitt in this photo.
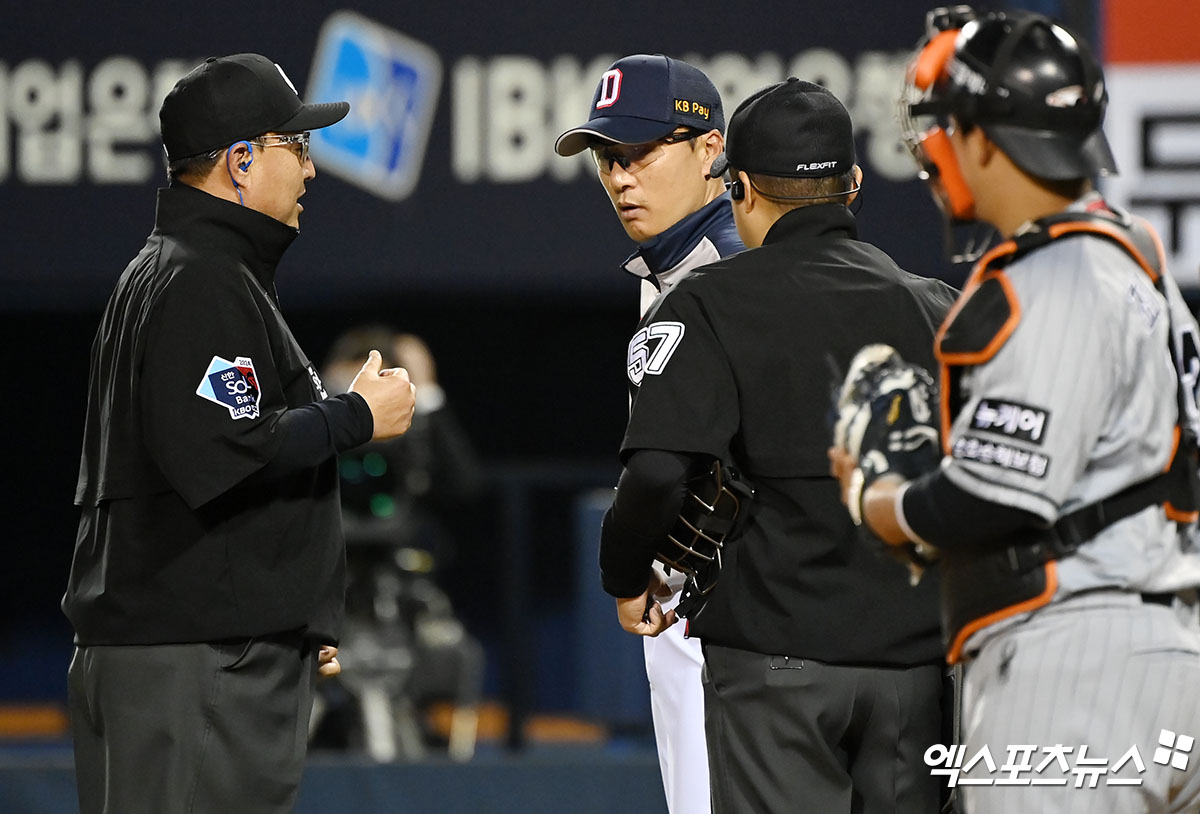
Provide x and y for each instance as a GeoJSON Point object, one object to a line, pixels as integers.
{"type": "Point", "coordinates": [884, 419]}
{"type": "Point", "coordinates": [712, 512]}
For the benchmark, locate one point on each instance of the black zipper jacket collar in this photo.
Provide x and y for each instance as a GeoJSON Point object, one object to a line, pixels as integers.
{"type": "Point", "coordinates": [223, 227]}
{"type": "Point", "coordinates": [819, 220]}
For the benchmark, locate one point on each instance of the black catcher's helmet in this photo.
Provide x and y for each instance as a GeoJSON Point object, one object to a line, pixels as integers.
{"type": "Point", "coordinates": [1034, 87]}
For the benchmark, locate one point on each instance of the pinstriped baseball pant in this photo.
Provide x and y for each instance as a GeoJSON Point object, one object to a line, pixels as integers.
{"type": "Point", "coordinates": [1106, 670]}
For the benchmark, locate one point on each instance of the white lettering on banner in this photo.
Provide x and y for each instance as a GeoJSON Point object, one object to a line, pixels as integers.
{"type": "Point", "coordinates": [117, 94]}
{"type": "Point", "coordinates": [517, 139]}
{"type": "Point", "coordinates": [466, 110]}
{"type": "Point", "coordinates": [69, 123]}
{"type": "Point", "coordinates": [874, 110]}
{"type": "Point", "coordinates": [4, 150]}
{"type": "Point", "coordinates": [46, 106]}
{"type": "Point", "coordinates": [507, 110]}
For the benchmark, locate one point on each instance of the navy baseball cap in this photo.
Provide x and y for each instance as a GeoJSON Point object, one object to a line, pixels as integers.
{"type": "Point", "coordinates": [227, 99]}
{"type": "Point", "coordinates": [643, 98]}
{"type": "Point", "coordinates": [793, 129]}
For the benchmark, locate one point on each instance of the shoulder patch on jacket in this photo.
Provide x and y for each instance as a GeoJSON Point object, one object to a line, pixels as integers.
{"type": "Point", "coordinates": [233, 385]}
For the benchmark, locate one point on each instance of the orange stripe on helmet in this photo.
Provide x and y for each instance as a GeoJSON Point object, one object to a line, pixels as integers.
{"type": "Point", "coordinates": [934, 57]}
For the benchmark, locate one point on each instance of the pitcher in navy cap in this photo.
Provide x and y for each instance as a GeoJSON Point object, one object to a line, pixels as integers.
{"type": "Point", "coordinates": [822, 666]}
{"type": "Point", "coordinates": [206, 588]}
{"type": "Point", "coordinates": [655, 127]}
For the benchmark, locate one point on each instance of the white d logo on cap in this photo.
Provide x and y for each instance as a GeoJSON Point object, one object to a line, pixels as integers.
{"type": "Point", "coordinates": [610, 88]}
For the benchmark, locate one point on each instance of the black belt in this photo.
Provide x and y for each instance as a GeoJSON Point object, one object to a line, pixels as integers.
{"type": "Point", "coordinates": [1159, 599]}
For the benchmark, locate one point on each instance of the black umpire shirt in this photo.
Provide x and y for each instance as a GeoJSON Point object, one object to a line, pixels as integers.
{"type": "Point", "coordinates": [207, 513]}
{"type": "Point", "coordinates": [734, 363]}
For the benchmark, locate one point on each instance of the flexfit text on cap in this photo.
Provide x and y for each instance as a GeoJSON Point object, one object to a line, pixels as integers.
{"type": "Point", "coordinates": [227, 99]}
{"type": "Point", "coordinates": [793, 129]}
{"type": "Point", "coordinates": [642, 98]}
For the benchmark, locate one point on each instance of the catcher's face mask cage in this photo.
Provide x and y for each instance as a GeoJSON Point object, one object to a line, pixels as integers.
{"type": "Point", "coordinates": [709, 513]}
{"type": "Point", "coordinates": [925, 110]}
{"type": "Point", "coordinates": [1035, 87]}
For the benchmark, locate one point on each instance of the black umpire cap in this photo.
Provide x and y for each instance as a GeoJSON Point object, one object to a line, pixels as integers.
{"type": "Point", "coordinates": [226, 99]}
{"type": "Point", "coordinates": [792, 129]}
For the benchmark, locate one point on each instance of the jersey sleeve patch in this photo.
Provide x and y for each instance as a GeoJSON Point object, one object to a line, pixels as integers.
{"type": "Point", "coordinates": [651, 348]}
{"type": "Point", "coordinates": [233, 385]}
{"type": "Point", "coordinates": [1012, 419]}
{"type": "Point", "coordinates": [1000, 455]}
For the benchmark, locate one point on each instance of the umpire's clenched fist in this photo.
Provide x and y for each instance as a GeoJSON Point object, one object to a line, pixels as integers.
{"type": "Point", "coordinates": [389, 394]}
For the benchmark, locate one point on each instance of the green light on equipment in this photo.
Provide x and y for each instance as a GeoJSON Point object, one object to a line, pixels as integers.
{"type": "Point", "coordinates": [383, 505]}
{"type": "Point", "coordinates": [374, 464]}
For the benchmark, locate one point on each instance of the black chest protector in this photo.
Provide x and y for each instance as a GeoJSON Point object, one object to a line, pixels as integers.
{"type": "Point", "coordinates": [984, 585]}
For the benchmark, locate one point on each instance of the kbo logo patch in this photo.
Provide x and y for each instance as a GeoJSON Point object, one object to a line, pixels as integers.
{"type": "Point", "coordinates": [233, 385]}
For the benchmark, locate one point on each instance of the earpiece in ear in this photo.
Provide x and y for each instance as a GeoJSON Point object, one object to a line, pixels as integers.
{"type": "Point", "coordinates": [245, 165]}
{"type": "Point", "coordinates": [737, 190]}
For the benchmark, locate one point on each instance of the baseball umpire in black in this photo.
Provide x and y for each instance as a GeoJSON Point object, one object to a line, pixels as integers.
{"type": "Point", "coordinates": [206, 590]}
{"type": "Point", "coordinates": [823, 667]}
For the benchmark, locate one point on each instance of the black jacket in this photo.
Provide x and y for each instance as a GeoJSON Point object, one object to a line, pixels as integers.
{"type": "Point", "coordinates": [749, 380]}
{"type": "Point", "coordinates": [197, 525]}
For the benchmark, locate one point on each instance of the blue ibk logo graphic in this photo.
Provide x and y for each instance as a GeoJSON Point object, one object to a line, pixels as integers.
{"type": "Point", "coordinates": [391, 82]}
{"type": "Point", "coordinates": [233, 385]}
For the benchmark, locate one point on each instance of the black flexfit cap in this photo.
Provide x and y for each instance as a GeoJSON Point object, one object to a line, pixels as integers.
{"type": "Point", "coordinates": [642, 98]}
{"type": "Point", "coordinates": [793, 129]}
{"type": "Point", "coordinates": [227, 99]}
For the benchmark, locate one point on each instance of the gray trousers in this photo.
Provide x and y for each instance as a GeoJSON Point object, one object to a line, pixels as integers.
{"type": "Point", "coordinates": [1103, 670]}
{"type": "Point", "coordinates": [191, 728]}
{"type": "Point", "coordinates": [791, 736]}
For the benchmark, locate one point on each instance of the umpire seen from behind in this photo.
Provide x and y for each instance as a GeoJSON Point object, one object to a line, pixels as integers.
{"type": "Point", "coordinates": [206, 590]}
{"type": "Point", "coordinates": [823, 671]}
